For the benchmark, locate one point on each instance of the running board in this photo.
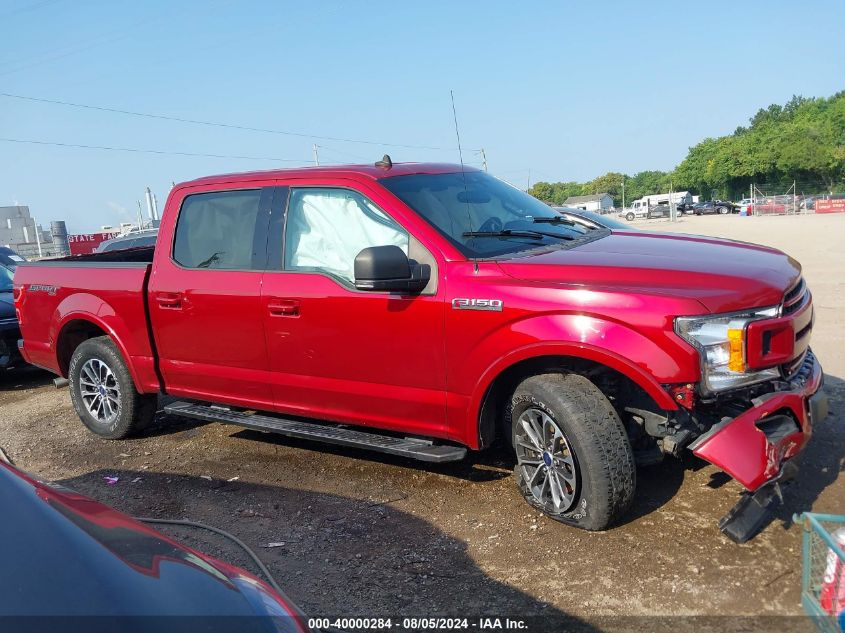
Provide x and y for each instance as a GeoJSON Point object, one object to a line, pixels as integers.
{"type": "Point", "coordinates": [414, 448]}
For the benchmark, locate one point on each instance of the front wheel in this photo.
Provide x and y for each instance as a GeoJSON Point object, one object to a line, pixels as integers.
{"type": "Point", "coordinates": [103, 393]}
{"type": "Point", "coordinates": [630, 217]}
{"type": "Point", "coordinates": [574, 460]}
{"type": "Point", "coordinates": [724, 210]}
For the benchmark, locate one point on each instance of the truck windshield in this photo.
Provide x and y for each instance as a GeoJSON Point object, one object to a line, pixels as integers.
{"type": "Point", "coordinates": [483, 217]}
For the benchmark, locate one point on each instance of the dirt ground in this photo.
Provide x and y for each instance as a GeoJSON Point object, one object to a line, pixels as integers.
{"type": "Point", "coordinates": [366, 534]}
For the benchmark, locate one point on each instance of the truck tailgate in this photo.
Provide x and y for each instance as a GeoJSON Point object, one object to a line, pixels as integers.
{"type": "Point", "coordinates": [53, 295]}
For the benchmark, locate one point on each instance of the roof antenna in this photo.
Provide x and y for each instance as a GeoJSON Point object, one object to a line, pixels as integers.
{"type": "Point", "coordinates": [463, 171]}
{"type": "Point", "coordinates": [385, 162]}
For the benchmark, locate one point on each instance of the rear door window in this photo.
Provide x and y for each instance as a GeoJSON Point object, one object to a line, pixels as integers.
{"type": "Point", "coordinates": [217, 230]}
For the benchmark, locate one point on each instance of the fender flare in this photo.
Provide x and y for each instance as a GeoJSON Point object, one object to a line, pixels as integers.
{"type": "Point", "coordinates": [78, 307]}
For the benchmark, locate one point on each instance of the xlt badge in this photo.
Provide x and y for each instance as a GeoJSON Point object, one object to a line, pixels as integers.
{"type": "Point", "coordinates": [490, 305]}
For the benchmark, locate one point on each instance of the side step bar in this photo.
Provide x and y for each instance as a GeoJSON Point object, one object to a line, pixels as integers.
{"type": "Point", "coordinates": [414, 448]}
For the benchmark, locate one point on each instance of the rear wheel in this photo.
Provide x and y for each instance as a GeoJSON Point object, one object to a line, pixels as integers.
{"type": "Point", "coordinates": [574, 460]}
{"type": "Point", "coordinates": [103, 393]}
{"type": "Point", "coordinates": [724, 210]}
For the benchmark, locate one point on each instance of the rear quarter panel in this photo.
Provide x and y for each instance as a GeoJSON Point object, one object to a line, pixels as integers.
{"type": "Point", "coordinates": [49, 296]}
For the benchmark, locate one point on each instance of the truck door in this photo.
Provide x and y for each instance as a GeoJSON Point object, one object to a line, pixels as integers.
{"type": "Point", "coordinates": [205, 294]}
{"type": "Point", "coordinates": [337, 353]}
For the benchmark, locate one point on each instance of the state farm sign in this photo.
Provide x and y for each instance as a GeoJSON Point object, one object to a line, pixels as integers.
{"type": "Point", "coordinates": [85, 243]}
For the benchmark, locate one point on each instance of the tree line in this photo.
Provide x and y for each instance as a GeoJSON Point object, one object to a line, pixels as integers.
{"type": "Point", "coordinates": [803, 140]}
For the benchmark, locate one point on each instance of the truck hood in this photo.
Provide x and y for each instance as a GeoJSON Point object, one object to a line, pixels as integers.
{"type": "Point", "coordinates": [722, 275]}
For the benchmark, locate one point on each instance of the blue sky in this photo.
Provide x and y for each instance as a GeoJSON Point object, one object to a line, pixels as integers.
{"type": "Point", "coordinates": [569, 90]}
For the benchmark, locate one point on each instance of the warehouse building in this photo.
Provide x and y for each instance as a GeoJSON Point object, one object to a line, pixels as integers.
{"type": "Point", "coordinates": [599, 202]}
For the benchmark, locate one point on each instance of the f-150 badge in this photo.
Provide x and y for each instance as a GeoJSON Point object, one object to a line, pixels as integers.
{"type": "Point", "coordinates": [490, 305]}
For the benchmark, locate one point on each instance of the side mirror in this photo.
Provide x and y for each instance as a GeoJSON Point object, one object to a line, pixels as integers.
{"type": "Point", "coordinates": [387, 268]}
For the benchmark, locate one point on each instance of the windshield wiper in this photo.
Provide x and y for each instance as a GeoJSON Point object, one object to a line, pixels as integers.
{"type": "Point", "coordinates": [535, 235]}
{"type": "Point", "coordinates": [562, 220]}
{"type": "Point", "coordinates": [552, 220]}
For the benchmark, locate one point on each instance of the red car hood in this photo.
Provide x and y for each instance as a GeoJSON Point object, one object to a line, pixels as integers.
{"type": "Point", "coordinates": [722, 275]}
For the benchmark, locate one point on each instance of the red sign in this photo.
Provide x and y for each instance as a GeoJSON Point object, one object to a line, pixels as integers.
{"type": "Point", "coordinates": [830, 206]}
{"type": "Point", "coordinates": [85, 244]}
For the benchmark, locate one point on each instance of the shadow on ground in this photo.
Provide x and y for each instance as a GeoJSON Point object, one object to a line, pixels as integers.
{"type": "Point", "coordinates": [656, 484]}
{"type": "Point", "coordinates": [333, 555]}
{"type": "Point", "coordinates": [23, 378]}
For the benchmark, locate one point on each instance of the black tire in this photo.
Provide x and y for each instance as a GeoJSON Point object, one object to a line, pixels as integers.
{"type": "Point", "coordinates": [129, 411]}
{"type": "Point", "coordinates": [630, 217]}
{"type": "Point", "coordinates": [605, 472]}
{"type": "Point", "coordinates": [724, 210]}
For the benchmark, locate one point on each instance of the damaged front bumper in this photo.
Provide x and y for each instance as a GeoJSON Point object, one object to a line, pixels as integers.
{"type": "Point", "coordinates": [757, 446]}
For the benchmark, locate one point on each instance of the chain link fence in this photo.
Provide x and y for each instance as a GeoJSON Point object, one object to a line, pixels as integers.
{"type": "Point", "coordinates": [797, 198]}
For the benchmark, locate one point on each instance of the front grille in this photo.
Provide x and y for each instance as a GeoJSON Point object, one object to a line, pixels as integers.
{"type": "Point", "coordinates": [796, 298]}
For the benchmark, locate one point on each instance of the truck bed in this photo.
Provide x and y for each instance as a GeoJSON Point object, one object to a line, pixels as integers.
{"type": "Point", "coordinates": [129, 255]}
{"type": "Point", "coordinates": [107, 289]}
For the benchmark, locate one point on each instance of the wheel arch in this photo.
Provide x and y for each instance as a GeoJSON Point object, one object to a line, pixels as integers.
{"type": "Point", "coordinates": [77, 328]}
{"type": "Point", "coordinates": [489, 402]}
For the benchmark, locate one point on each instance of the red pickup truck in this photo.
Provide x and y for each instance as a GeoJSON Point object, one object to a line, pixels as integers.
{"type": "Point", "coordinates": [423, 310]}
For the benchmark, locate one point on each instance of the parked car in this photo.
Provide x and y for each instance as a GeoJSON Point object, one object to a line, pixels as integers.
{"type": "Point", "coordinates": [436, 308]}
{"type": "Point", "coordinates": [660, 211]}
{"type": "Point", "coordinates": [769, 206]}
{"type": "Point", "coordinates": [10, 333]}
{"type": "Point", "coordinates": [68, 555]}
{"type": "Point", "coordinates": [591, 219]}
{"type": "Point", "coordinates": [744, 205]}
{"type": "Point", "coordinates": [139, 239]}
{"type": "Point", "coordinates": [713, 206]}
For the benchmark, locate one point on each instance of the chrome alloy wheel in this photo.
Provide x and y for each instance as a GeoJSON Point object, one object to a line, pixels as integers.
{"type": "Point", "coordinates": [546, 462]}
{"type": "Point", "coordinates": [99, 390]}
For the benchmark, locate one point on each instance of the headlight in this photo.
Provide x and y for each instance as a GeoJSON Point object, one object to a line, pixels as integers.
{"type": "Point", "coordinates": [720, 340]}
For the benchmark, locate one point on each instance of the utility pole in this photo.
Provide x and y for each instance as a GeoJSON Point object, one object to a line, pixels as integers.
{"type": "Point", "coordinates": [673, 210]}
{"type": "Point", "coordinates": [483, 159]}
{"type": "Point", "coordinates": [316, 156]}
{"type": "Point", "coordinates": [623, 192]}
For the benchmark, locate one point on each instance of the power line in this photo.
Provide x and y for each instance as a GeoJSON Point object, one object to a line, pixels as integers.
{"type": "Point", "coordinates": [150, 151]}
{"type": "Point", "coordinates": [231, 126]}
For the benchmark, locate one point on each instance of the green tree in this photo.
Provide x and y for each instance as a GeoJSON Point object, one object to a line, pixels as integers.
{"type": "Point", "coordinates": [803, 139]}
{"type": "Point", "coordinates": [610, 183]}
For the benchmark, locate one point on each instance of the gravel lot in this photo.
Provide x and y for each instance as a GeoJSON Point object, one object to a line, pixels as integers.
{"type": "Point", "coordinates": [373, 535]}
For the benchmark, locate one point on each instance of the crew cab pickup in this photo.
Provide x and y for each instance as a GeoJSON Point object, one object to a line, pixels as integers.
{"type": "Point", "coordinates": [424, 310]}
